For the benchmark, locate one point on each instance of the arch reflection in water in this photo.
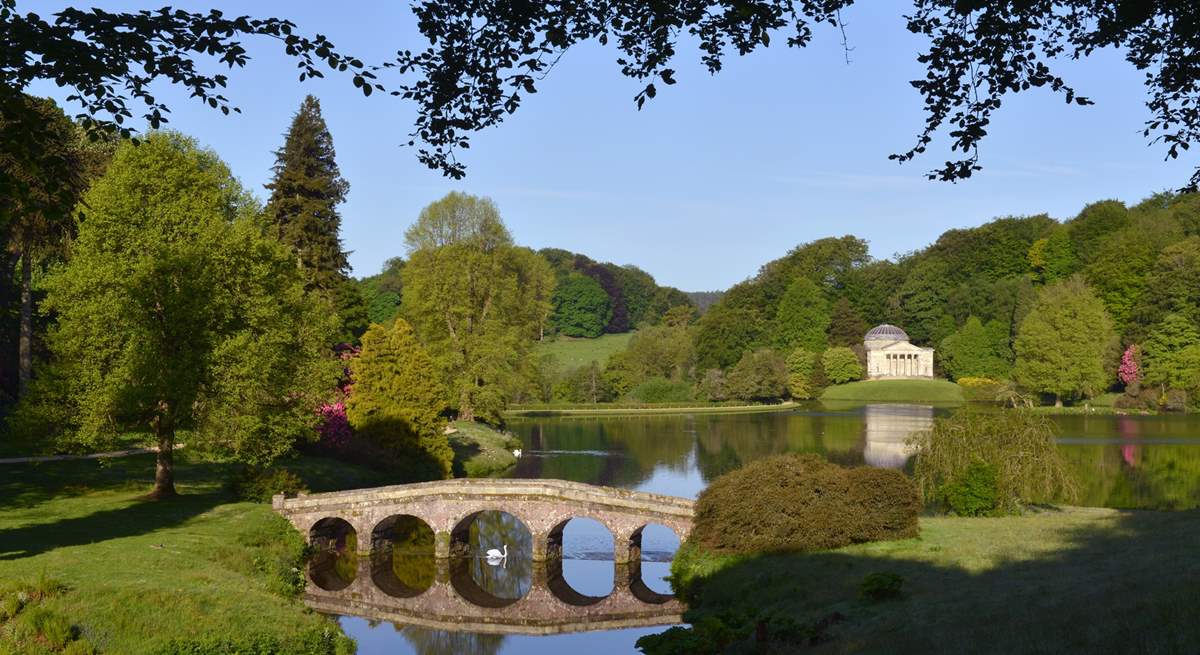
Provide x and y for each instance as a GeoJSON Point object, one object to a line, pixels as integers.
{"type": "Point", "coordinates": [888, 428]}
{"type": "Point", "coordinates": [492, 582]}
{"type": "Point", "coordinates": [402, 556]}
{"type": "Point", "coordinates": [550, 606]}
{"type": "Point", "coordinates": [587, 548]}
{"type": "Point", "coordinates": [658, 544]}
{"type": "Point", "coordinates": [334, 562]}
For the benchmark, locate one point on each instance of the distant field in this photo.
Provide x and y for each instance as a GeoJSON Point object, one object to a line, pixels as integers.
{"type": "Point", "coordinates": [573, 353]}
{"type": "Point", "coordinates": [896, 391]}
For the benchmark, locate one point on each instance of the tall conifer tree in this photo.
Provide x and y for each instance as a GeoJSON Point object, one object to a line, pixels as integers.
{"type": "Point", "coordinates": [305, 194]}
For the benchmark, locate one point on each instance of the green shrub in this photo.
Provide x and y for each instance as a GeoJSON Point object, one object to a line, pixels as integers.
{"type": "Point", "coordinates": [841, 365]}
{"type": "Point", "coordinates": [1019, 445]}
{"type": "Point", "coordinates": [661, 390]}
{"type": "Point", "coordinates": [81, 647]}
{"type": "Point", "coordinates": [259, 485]}
{"type": "Point", "coordinates": [55, 629]}
{"type": "Point", "coordinates": [803, 503]}
{"type": "Point", "coordinates": [325, 640]}
{"type": "Point", "coordinates": [10, 605]}
{"type": "Point", "coordinates": [881, 586]}
{"type": "Point", "coordinates": [975, 492]}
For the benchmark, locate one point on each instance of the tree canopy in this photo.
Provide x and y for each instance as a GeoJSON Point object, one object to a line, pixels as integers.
{"type": "Point", "coordinates": [177, 310]}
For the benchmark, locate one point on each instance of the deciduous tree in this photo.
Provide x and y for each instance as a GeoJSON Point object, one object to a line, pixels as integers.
{"type": "Point", "coordinates": [841, 365]}
{"type": "Point", "coordinates": [802, 317]}
{"type": "Point", "coordinates": [178, 311]}
{"type": "Point", "coordinates": [581, 307]}
{"type": "Point", "coordinates": [1065, 342]}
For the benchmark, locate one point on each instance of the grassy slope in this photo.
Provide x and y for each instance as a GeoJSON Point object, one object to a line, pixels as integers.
{"type": "Point", "coordinates": [1077, 580]}
{"type": "Point", "coordinates": [142, 572]}
{"type": "Point", "coordinates": [480, 451]}
{"type": "Point", "coordinates": [573, 353]}
{"type": "Point", "coordinates": [896, 391]}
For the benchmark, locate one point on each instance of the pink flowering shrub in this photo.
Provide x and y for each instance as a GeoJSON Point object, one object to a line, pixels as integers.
{"type": "Point", "coordinates": [334, 431]}
{"type": "Point", "coordinates": [1130, 372]}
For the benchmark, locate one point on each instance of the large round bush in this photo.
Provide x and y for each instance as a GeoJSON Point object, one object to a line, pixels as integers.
{"type": "Point", "coordinates": [803, 503]}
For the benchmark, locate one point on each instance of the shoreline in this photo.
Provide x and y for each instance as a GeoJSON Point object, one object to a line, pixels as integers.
{"type": "Point", "coordinates": [551, 411]}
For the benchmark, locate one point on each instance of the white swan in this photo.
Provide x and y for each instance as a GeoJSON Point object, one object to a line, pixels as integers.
{"type": "Point", "coordinates": [494, 553]}
{"type": "Point", "coordinates": [517, 452]}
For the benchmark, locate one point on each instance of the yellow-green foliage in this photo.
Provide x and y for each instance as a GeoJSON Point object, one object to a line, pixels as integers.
{"type": "Point", "coordinates": [397, 401]}
{"type": "Point", "coordinates": [1019, 445]}
{"type": "Point", "coordinates": [976, 388]}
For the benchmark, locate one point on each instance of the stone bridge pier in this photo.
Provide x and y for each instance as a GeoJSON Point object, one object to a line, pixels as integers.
{"type": "Point", "coordinates": [449, 507]}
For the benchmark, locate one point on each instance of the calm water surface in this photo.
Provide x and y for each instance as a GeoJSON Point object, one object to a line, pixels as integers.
{"type": "Point", "coordinates": [1119, 461]}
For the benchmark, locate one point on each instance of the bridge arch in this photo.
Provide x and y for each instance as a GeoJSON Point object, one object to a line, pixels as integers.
{"type": "Point", "coordinates": [334, 564]}
{"type": "Point", "coordinates": [402, 556]}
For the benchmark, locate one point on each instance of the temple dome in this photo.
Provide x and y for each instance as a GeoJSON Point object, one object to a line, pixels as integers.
{"type": "Point", "coordinates": [886, 332]}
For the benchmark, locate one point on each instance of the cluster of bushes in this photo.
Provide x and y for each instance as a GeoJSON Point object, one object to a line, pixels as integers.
{"type": "Point", "coordinates": [797, 503]}
{"type": "Point", "coordinates": [975, 463]}
{"type": "Point", "coordinates": [260, 485]}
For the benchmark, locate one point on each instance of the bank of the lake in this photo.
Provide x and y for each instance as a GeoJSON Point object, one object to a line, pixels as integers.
{"type": "Point", "coordinates": [139, 574]}
{"type": "Point", "coordinates": [1061, 580]}
{"type": "Point", "coordinates": [619, 409]}
{"type": "Point", "coordinates": [896, 391]}
{"type": "Point", "coordinates": [481, 451]}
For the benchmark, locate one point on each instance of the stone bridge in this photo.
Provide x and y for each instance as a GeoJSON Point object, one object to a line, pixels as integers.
{"type": "Point", "coordinates": [449, 507]}
{"type": "Point", "coordinates": [454, 602]}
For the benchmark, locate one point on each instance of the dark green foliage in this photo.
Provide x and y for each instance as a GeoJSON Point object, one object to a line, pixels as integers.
{"type": "Point", "coordinates": [305, 193]}
{"type": "Point", "coordinates": [841, 365]}
{"type": "Point", "coordinates": [318, 641]}
{"type": "Point", "coordinates": [724, 334]}
{"type": "Point", "coordinates": [803, 503]}
{"type": "Point", "coordinates": [846, 325]}
{"type": "Point", "coordinates": [1053, 257]}
{"type": "Point", "coordinates": [1096, 222]}
{"type": "Point", "coordinates": [260, 485]}
{"type": "Point", "coordinates": [634, 298]}
{"type": "Point", "coordinates": [975, 492]}
{"type": "Point", "coordinates": [945, 453]}
{"type": "Point", "coordinates": [661, 390]}
{"type": "Point", "coordinates": [581, 307]}
{"type": "Point", "coordinates": [351, 308]}
{"type": "Point", "coordinates": [924, 310]}
{"type": "Point", "coordinates": [1174, 283]}
{"type": "Point", "coordinates": [761, 375]}
{"type": "Point", "coordinates": [802, 317]}
{"type": "Point", "coordinates": [976, 350]}
{"type": "Point", "coordinates": [397, 401]}
{"type": "Point", "coordinates": [383, 291]}
{"type": "Point", "coordinates": [881, 586]}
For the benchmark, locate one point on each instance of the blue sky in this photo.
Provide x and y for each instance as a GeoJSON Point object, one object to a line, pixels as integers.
{"type": "Point", "coordinates": [715, 176]}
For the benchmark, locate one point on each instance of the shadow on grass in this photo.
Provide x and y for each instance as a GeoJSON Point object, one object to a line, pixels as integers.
{"type": "Point", "coordinates": [1127, 584]}
{"type": "Point", "coordinates": [141, 517]}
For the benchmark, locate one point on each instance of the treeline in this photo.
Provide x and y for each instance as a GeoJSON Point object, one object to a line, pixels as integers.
{"type": "Point", "coordinates": [590, 298]}
{"type": "Point", "coordinates": [1028, 308]}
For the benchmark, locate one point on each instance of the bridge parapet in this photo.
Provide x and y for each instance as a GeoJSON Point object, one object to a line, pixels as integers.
{"type": "Point", "coordinates": [449, 506]}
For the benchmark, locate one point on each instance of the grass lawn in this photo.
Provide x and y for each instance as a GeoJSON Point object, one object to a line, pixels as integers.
{"type": "Point", "coordinates": [1060, 581]}
{"type": "Point", "coordinates": [138, 574]}
{"type": "Point", "coordinates": [480, 451]}
{"type": "Point", "coordinates": [573, 353]}
{"type": "Point", "coordinates": [934, 391]}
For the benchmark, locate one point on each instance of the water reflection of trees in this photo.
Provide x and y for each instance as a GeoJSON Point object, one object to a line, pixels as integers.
{"type": "Point", "coordinates": [1135, 476]}
{"type": "Point", "coordinates": [611, 451]}
{"type": "Point", "coordinates": [425, 641]}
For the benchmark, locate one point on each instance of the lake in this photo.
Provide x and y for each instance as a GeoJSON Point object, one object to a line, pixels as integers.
{"type": "Point", "coordinates": [1148, 462]}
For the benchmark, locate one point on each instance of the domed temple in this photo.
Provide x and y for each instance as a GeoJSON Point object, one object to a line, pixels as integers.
{"type": "Point", "coordinates": [890, 355]}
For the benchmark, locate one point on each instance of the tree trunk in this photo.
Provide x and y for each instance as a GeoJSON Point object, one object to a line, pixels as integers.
{"type": "Point", "coordinates": [465, 411]}
{"type": "Point", "coordinates": [25, 346]}
{"type": "Point", "coordinates": [164, 469]}
{"type": "Point", "coordinates": [1058, 401]}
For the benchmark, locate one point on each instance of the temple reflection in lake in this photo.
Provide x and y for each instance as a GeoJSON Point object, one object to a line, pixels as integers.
{"type": "Point", "coordinates": [888, 427]}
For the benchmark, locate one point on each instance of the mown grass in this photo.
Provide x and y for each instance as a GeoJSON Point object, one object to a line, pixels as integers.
{"type": "Point", "coordinates": [480, 451]}
{"type": "Point", "coordinates": [572, 353]}
{"type": "Point", "coordinates": [1067, 580]}
{"type": "Point", "coordinates": [902, 391]}
{"type": "Point", "coordinates": [138, 574]}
